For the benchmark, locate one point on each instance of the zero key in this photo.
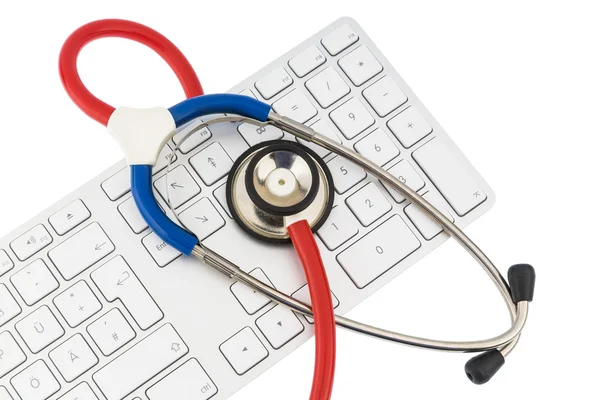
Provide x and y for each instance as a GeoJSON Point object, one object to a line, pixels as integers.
{"type": "Point", "coordinates": [116, 280]}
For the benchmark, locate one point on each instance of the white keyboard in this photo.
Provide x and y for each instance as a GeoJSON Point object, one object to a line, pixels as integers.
{"type": "Point", "coordinates": [93, 305]}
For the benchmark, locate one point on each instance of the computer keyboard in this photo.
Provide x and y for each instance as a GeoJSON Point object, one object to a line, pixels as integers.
{"type": "Point", "coordinates": [93, 305]}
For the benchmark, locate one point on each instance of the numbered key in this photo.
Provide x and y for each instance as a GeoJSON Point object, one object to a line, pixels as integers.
{"type": "Point", "coordinates": [352, 118]}
{"type": "Point", "coordinates": [73, 358]}
{"type": "Point", "coordinates": [428, 228]}
{"type": "Point", "coordinates": [322, 127]}
{"type": "Point", "coordinates": [377, 147]}
{"type": "Point", "coordinates": [296, 106]}
{"type": "Point", "coordinates": [212, 163]}
{"type": "Point", "coordinates": [116, 280]}
{"type": "Point", "coordinates": [39, 329]}
{"type": "Point", "coordinates": [250, 299]}
{"type": "Point", "coordinates": [160, 251]}
{"type": "Point", "coordinates": [338, 229]}
{"type": "Point", "coordinates": [345, 174]}
{"type": "Point", "coordinates": [254, 134]}
{"type": "Point", "coordinates": [132, 216]}
{"type": "Point", "coordinates": [35, 382]}
{"type": "Point", "coordinates": [202, 218]}
{"type": "Point", "coordinates": [340, 39]}
{"type": "Point", "coordinates": [407, 175]}
{"type": "Point", "coordinates": [360, 65]}
{"type": "Point", "coordinates": [243, 351]}
{"type": "Point", "coordinates": [77, 304]}
{"type": "Point", "coordinates": [11, 355]}
{"type": "Point", "coordinates": [6, 263]}
{"type": "Point", "coordinates": [34, 282]}
{"type": "Point", "coordinates": [409, 127]}
{"type": "Point", "coordinates": [279, 325]}
{"type": "Point", "coordinates": [178, 187]}
{"type": "Point", "coordinates": [189, 136]}
{"type": "Point", "coordinates": [31, 242]}
{"type": "Point", "coordinates": [273, 83]}
{"type": "Point", "coordinates": [368, 204]}
{"type": "Point", "coordinates": [189, 381]}
{"type": "Point", "coordinates": [70, 217]}
{"type": "Point", "coordinates": [385, 96]}
{"type": "Point", "coordinates": [9, 308]}
{"type": "Point", "coordinates": [378, 251]}
{"type": "Point", "coordinates": [327, 87]}
{"type": "Point", "coordinates": [80, 392]}
{"type": "Point", "coordinates": [307, 61]}
{"type": "Point", "coordinates": [303, 294]}
{"type": "Point", "coordinates": [111, 332]}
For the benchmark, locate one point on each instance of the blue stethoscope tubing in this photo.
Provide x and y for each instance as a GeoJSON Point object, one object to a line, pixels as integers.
{"type": "Point", "coordinates": [141, 175]}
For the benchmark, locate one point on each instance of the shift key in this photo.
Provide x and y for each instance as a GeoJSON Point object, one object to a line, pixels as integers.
{"type": "Point", "coordinates": [81, 251]}
{"type": "Point", "coordinates": [141, 363]}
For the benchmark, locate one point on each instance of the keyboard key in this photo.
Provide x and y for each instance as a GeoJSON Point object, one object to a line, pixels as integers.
{"type": "Point", "coordinates": [132, 216]}
{"type": "Point", "coordinates": [377, 147]}
{"type": "Point", "coordinates": [345, 174]}
{"type": "Point", "coordinates": [352, 118]}
{"type": "Point", "coordinates": [407, 175]}
{"type": "Point", "coordinates": [35, 382]}
{"type": "Point", "coordinates": [247, 92]}
{"type": "Point", "coordinates": [296, 106]}
{"type": "Point", "coordinates": [135, 367]}
{"type": "Point", "coordinates": [339, 39]}
{"type": "Point", "coordinates": [180, 185]}
{"type": "Point", "coordinates": [273, 83]}
{"type": "Point", "coordinates": [34, 282]}
{"type": "Point", "coordinates": [243, 351]}
{"type": "Point", "coordinates": [189, 381]}
{"type": "Point", "coordinates": [73, 358]}
{"type": "Point", "coordinates": [111, 332]}
{"type": "Point", "coordinates": [360, 65]}
{"type": "Point", "coordinates": [307, 61]}
{"type": "Point", "coordinates": [202, 218]}
{"type": "Point", "coordinates": [6, 263]}
{"type": "Point", "coordinates": [253, 134]}
{"type": "Point", "coordinates": [117, 185]}
{"type": "Point", "coordinates": [70, 217]}
{"type": "Point", "coordinates": [116, 280]}
{"type": "Point", "coordinates": [162, 253]}
{"type": "Point", "coordinates": [195, 139]}
{"type": "Point", "coordinates": [31, 242]}
{"type": "Point", "coordinates": [9, 308]}
{"type": "Point", "coordinates": [4, 395]}
{"type": "Point", "coordinates": [409, 127]}
{"type": "Point", "coordinates": [428, 228]}
{"type": "Point", "coordinates": [385, 96]}
{"type": "Point", "coordinates": [162, 161]}
{"type": "Point", "coordinates": [77, 304]}
{"type": "Point", "coordinates": [327, 87]}
{"type": "Point", "coordinates": [303, 294]}
{"type": "Point", "coordinates": [220, 194]}
{"type": "Point", "coordinates": [322, 127]}
{"type": "Point", "coordinates": [338, 229]}
{"type": "Point", "coordinates": [39, 329]}
{"type": "Point", "coordinates": [80, 392]}
{"type": "Point", "coordinates": [81, 251]}
{"type": "Point", "coordinates": [249, 299]}
{"type": "Point", "coordinates": [449, 175]}
{"type": "Point", "coordinates": [279, 325]}
{"type": "Point", "coordinates": [368, 204]}
{"type": "Point", "coordinates": [11, 355]}
{"type": "Point", "coordinates": [212, 163]}
{"type": "Point", "coordinates": [378, 251]}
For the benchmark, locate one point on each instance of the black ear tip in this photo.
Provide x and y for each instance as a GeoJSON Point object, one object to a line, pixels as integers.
{"type": "Point", "coordinates": [521, 279]}
{"type": "Point", "coordinates": [483, 367]}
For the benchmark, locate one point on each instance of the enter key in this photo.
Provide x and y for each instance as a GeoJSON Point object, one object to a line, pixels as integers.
{"type": "Point", "coordinates": [116, 280]}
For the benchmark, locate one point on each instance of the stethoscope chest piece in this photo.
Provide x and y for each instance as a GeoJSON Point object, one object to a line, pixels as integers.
{"type": "Point", "coordinates": [276, 182]}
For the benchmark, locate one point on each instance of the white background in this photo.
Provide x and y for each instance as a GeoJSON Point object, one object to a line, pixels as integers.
{"type": "Point", "coordinates": [516, 85]}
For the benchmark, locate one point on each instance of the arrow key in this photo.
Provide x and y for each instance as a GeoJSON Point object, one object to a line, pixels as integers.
{"type": "Point", "coordinates": [202, 218]}
{"type": "Point", "coordinates": [279, 325]}
{"type": "Point", "coordinates": [181, 186]}
{"type": "Point", "coordinates": [243, 350]}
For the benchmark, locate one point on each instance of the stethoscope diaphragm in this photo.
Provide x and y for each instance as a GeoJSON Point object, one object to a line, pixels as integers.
{"type": "Point", "coordinates": [276, 182]}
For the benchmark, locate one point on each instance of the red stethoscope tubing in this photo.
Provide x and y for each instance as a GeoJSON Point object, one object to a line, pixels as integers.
{"type": "Point", "coordinates": [81, 96]}
{"type": "Point", "coordinates": [300, 232]}
{"type": "Point", "coordinates": [322, 305]}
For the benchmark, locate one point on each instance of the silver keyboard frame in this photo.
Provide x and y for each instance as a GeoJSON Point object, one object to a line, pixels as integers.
{"type": "Point", "coordinates": [186, 284]}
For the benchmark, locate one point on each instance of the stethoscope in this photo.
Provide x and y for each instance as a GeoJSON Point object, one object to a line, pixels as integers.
{"type": "Point", "coordinates": [270, 185]}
